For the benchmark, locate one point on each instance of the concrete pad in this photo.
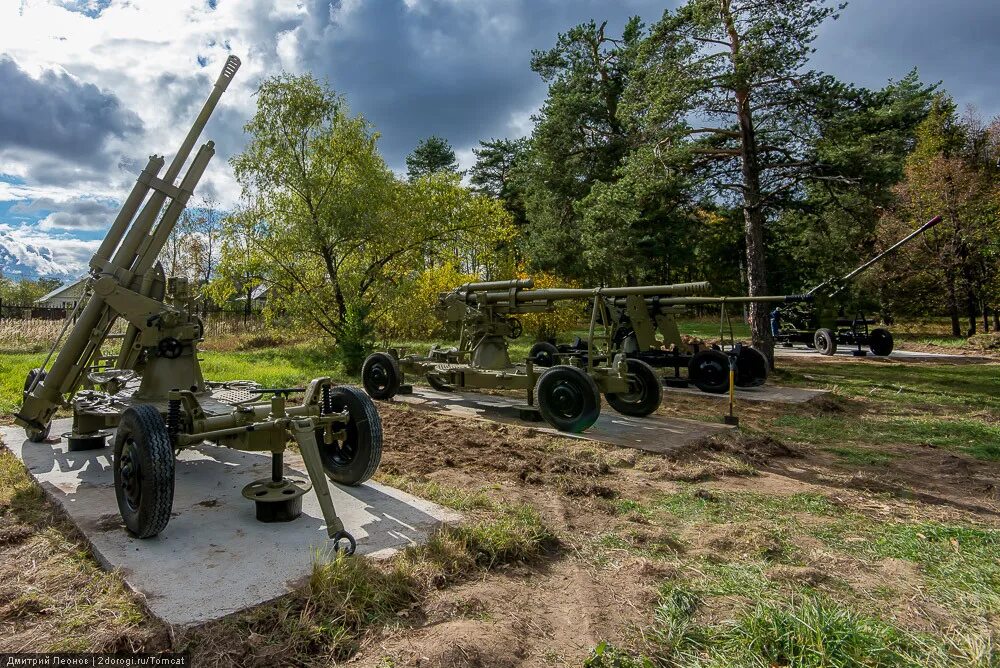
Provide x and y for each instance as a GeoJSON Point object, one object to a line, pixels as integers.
{"type": "Point", "coordinates": [214, 558]}
{"type": "Point", "coordinates": [845, 351]}
{"type": "Point", "coordinates": [655, 433]}
{"type": "Point", "coordinates": [766, 393]}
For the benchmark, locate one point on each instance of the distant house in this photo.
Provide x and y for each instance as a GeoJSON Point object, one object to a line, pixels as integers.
{"type": "Point", "coordinates": [258, 298]}
{"type": "Point", "coordinates": [66, 296]}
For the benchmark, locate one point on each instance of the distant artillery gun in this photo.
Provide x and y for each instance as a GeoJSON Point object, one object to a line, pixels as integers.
{"type": "Point", "coordinates": [637, 319]}
{"type": "Point", "coordinates": [566, 393]}
{"type": "Point", "coordinates": [157, 398]}
{"type": "Point", "coordinates": [825, 326]}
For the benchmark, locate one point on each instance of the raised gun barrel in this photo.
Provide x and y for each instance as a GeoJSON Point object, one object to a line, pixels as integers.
{"type": "Point", "coordinates": [842, 281]}
{"type": "Point", "coordinates": [121, 263]}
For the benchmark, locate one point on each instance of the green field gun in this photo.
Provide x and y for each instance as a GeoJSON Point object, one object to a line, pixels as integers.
{"type": "Point", "coordinates": [157, 401]}
{"type": "Point", "coordinates": [639, 319]}
{"type": "Point", "coordinates": [565, 390]}
{"type": "Point", "coordinates": [826, 325]}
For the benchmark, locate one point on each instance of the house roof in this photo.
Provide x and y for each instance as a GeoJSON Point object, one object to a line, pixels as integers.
{"type": "Point", "coordinates": [61, 289]}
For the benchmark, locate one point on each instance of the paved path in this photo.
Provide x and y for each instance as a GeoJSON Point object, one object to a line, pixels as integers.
{"type": "Point", "coordinates": [653, 434]}
{"type": "Point", "coordinates": [214, 558]}
{"type": "Point", "coordinates": [765, 393]}
{"type": "Point", "coordinates": [845, 351]}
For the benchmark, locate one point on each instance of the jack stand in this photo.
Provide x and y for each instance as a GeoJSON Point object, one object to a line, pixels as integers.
{"type": "Point", "coordinates": [731, 419]}
{"type": "Point", "coordinates": [92, 441]}
{"type": "Point", "coordinates": [277, 499]}
{"type": "Point", "coordinates": [405, 389]}
{"type": "Point", "coordinates": [859, 352]}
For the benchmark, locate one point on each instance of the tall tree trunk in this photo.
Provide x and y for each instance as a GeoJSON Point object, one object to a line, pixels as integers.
{"type": "Point", "coordinates": [972, 309]}
{"type": "Point", "coordinates": [996, 319]}
{"type": "Point", "coordinates": [956, 325]}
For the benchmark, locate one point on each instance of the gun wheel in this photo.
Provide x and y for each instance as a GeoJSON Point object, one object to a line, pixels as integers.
{"type": "Point", "coordinates": [438, 384]}
{"type": "Point", "coordinates": [568, 398]}
{"type": "Point", "coordinates": [356, 458]}
{"type": "Point", "coordinates": [543, 354]}
{"type": "Point", "coordinates": [645, 391]}
{"type": "Point", "coordinates": [381, 376]}
{"type": "Point", "coordinates": [880, 342]}
{"type": "Point", "coordinates": [709, 371]}
{"type": "Point", "coordinates": [144, 471]}
{"type": "Point", "coordinates": [825, 341]}
{"type": "Point", "coordinates": [751, 368]}
{"type": "Point", "coordinates": [32, 434]}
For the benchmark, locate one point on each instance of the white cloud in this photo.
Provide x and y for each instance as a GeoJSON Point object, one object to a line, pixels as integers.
{"type": "Point", "coordinates": [29, 253]}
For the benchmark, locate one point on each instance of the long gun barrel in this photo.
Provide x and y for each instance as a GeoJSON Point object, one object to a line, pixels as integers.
{"type": "Point", "coordinates": [128, 251]}
{"type": "Point", "coordinates": [700, 301]}
{"type": "Point", "coordinates": [849, 276]}
{"type": "Point", "coordinates": [520, 296]}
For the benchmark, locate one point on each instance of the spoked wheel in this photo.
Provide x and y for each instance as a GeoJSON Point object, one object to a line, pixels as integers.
{"type": "Point", "coordinates": [438, 384]}
{"type": "Point", "coordinates": [826, 342]}
{"type": "Point", "coordinates": [35, 435]}
{"type": "Point", "coordinates": [543, 354]}
{"type": "Point", "coordinates": [356, 458]}
{"type": "Point", "coordinates": [568, 398]}
{"type": "Point", "coordinates": [709, 371]}
{"type": "Point", "coordinates": [381, 376]}
{"type": "Point", "coordinates": [144, 471]}
{"type": "Point", "coordinates": [880, 342]}
{"type": "Point", "coordinates": [751, 368]}
{"type": "Point", "coordinates": [645, 391]}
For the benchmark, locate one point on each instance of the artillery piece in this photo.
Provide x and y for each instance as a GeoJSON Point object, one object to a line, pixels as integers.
{"type": "Point", "coordinates": [567, 391]}
{"type": "Point", "coordinates": [157, 398]}
{"type": "Point", "coordinates": [827, 325]}
{"type": "Point", "coordinates": [636, 322]}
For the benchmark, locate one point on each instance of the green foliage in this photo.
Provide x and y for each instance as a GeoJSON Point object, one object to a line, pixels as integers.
{"type": "Point", "coordinates": [24, 292]}
{"type": "Point", "coordinates": [500, 172]}
{"type": "Point", "coordinates": [356, 339]}
{"type": "Point", "coordinates": [432, 155]}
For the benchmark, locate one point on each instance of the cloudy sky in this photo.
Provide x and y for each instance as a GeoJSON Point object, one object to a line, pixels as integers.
{"type": "Point", "coordinates": [92, 87]}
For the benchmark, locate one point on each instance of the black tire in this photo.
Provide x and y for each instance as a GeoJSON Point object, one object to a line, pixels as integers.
{"type": "Point", "coordinates": [568, 398]}
{"type": "Point", "coordinates": [32, 434]}
{"type": "Point", "coordinates": [381, 376]}
{"type": "Point", "coordinates": [144, 471]}
{"type": "Point", "coordinates": [751, 368]}
{"type": "Point", "coordinates": [356, 459]}
{"type": "Point", "coordinates": [880, 342]}
{"type": "Point", "coordinates": [438, 384]}
{"type": "Point", "coordinates": [543, 354]}
{"type": "Point", "coordinates": [645, 391]}
{"type": "Point", "coordinates": [709, 371]}
{"type": "Point", "coordinates": [825, 341]}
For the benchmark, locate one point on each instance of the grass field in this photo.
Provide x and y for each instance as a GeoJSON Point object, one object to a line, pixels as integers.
{"type": "Point", "coordinates": [861, 529]}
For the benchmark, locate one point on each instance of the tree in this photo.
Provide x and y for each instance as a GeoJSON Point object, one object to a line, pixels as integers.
{"type": "Point", "coordinates": [579, 139]}
{"type": "Point", "coordinates": [738, 67]}
{"type": "Point", "coordinates": [499, 173]}
{"type": "Point", "coordinates": [328, 221]}
{"type": "Point", "coordinates": [432, 155]}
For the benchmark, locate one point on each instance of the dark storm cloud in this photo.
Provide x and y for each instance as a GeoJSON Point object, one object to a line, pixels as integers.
{"type": "Point", "coordinates": [79, 214]}
{"type": "Point", "coordinates": [60, 116]}
{"type": "Point", "coordinates": [447, 67]}
{"type": "Point", "coordinates": [460, 69]}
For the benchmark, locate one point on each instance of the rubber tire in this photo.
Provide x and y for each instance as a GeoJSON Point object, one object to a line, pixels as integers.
{"type": "Point", "coordinates": [144, 425]}
{"type": "Point", "coordinates": [364, 429]}
{"type": "Point", "coordinates": [751, 368]}
{"type": "Point", "coordinates": [35, 435]}
{"type": "Point", "coordinates": [880, 342]}
{"type": "Point", "coordinates": [825, 341]}
{"type": "Point", "coordinates": [433, 381]}
{"type": "Point", "coordinates": [543, 354]}
{"type": "Point", "coordinates": [390, 367]}
{"type": "Point", "coordinates": [708, 370]}
{"type": "Point", "coordinates": [648, 387]}
{"type": "Point", "coordinates": [577, 380]}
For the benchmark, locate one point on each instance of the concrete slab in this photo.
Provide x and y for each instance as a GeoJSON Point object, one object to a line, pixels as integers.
{"type": "Point", "coordinates": [904, 355]}
{"type": "Point", "coordinates": [652, 434]}
{"type": "Point", "coordinates": [766, 393]}
{"type": "Point", "coordinates": [214, 558]}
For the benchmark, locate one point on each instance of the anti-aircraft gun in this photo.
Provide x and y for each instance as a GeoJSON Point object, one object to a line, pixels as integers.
{"type": "Point", "coordinates": [637, 319]}
{"type": "Point", "coordinates": [567, 392]}
{"type": "Point", "coordinates": [826, 325]}
{"type": "Point", "coordinates": [158, 401]}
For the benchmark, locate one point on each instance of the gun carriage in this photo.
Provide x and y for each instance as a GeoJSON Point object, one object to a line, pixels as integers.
{"type": "Point", "coordinates": [566, 393]}
{"type": "Point", "coordinates": [636, 321]}
{"type": "Point", "coordinates": [827, 325]}
{"type": "Point", "coordinates": [155, 397]}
